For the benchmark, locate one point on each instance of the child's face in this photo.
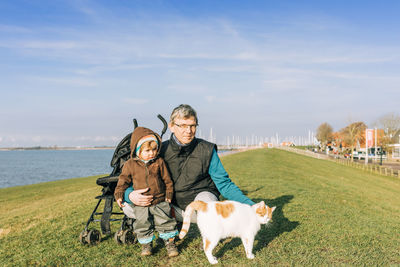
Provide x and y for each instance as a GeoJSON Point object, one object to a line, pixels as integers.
{"type": "Point", "coordinates": [148, 153]}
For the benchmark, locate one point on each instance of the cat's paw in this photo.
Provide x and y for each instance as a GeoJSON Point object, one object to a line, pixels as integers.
{"type": "Point", "coordinates": [250, 256]}
{"type": "Point", "coordinates": [213, 260]}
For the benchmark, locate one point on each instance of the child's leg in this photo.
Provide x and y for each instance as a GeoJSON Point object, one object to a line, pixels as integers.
{"type": "Point", "coordinates": [166, 226]}
{"type": "Point", "coordinates": [143, 226]}
{"type": "Point", "coordinates": [163, 222]}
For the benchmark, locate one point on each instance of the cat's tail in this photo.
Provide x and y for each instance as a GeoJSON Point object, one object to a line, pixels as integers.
{"type": "Point", "coordinates": [197, 205]}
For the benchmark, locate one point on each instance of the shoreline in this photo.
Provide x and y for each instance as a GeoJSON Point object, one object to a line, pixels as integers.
{"type": "Point", "coordinates": [226, 150]}
{"type": "Point", "coordinates": [54, 148]}
{"type": "Point", "coordinates": [48, 177]}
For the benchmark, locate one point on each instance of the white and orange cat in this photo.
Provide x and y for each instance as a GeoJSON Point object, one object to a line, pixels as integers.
{"type": "Point", "coordinates": [220, 219]}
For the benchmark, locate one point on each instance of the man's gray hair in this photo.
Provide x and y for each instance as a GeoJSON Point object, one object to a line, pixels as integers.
{"type": "Point", "coordinates": [183, 111]}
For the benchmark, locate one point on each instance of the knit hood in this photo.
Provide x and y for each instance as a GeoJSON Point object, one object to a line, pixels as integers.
{"type": "Point", "coordinates": [138, 134]}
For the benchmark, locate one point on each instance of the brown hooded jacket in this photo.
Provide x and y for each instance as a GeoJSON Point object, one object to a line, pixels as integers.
{"type": "Point", "coordinates": [153, 174]}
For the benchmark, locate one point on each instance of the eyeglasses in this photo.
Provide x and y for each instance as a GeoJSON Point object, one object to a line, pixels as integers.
{"type": "Point", "coordinates": [186, 126]}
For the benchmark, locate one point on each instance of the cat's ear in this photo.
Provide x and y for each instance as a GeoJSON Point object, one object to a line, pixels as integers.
{"type": "Point", "coordinates": [273, 208]}
{"type": "Point", "coordinates": [262, 203]}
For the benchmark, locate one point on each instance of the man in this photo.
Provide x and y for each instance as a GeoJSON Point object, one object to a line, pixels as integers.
{"type": "Point", "coordinates": [194, 165]}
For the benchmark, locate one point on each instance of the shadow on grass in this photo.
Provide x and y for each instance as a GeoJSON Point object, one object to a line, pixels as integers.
{"type": "Point", "coordinates": [191, 235]}
{"type": "Point", "coordinates": [245, 192]}
{"type": "Point", "coordinates": [269, 232]}
{"type": "Point", "coordinates": [181, 244]}
{"type": "Point", "coordinates": [106, 237]}
{"type": "Point", "coordinates": [279, 225]}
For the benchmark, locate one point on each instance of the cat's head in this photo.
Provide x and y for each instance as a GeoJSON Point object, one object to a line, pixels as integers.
{"type": "Point", "coordinates": [263, 212]}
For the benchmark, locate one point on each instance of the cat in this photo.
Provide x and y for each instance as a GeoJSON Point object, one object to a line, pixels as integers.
{"type": "Point", "coordinates": [220, 219]}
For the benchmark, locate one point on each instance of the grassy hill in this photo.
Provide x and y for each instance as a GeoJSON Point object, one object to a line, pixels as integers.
{"type": "Point", "coordinates": [327, 214]}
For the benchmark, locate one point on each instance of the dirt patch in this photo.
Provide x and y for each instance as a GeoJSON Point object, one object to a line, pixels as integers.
{"type": "Point", "coordinates": [4, 232]}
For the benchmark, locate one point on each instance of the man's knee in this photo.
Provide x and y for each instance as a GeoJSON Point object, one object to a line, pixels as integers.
{"type": "Point", "coordinates": [203, 196]}
{"type": "Point", "coordinates": [206, 196]}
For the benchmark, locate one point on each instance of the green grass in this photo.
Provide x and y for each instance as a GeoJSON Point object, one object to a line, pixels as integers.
{"type": "Point", "coordinates": [327, 214]}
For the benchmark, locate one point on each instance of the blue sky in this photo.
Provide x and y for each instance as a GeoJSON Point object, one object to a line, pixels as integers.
{"type": "Point", "coordinates": [77, 72]}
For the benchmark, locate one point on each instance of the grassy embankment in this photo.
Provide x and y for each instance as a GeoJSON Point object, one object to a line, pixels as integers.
{"type": "Point", "coordinates": [327, 214]}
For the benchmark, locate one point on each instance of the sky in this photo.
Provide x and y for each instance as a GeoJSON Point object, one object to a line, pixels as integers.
{"type": "Point", "coordinates": [76, 72]}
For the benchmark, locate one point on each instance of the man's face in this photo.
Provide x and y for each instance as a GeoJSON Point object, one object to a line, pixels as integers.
{"type": "Point", "coordinates": [184, 129]}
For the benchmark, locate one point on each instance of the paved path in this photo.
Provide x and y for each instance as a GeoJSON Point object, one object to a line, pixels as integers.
{"type": "Point", "coordinates": [395, 166]}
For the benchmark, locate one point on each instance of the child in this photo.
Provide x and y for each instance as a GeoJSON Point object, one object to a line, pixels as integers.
{"type": "Point", "coordinates": [145, 170]}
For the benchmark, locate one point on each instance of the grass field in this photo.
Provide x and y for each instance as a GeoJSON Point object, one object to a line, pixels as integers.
{"type": "Point", "coordinates": [327, 214]}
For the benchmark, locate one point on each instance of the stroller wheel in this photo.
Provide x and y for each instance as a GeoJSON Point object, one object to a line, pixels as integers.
{"type": "Point", "coordinates": [117, 237]}
{"type": "Point", "coordinates": [82, 237]}
{"type": "Point", "coordinates": [125, 237]}
{"type": "Point", "coordinates": [93, 237]}
{"type": "Point", "coordinates": [128, 237]}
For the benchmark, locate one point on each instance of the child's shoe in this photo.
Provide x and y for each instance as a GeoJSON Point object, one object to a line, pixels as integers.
{"type": "Point", "coordinates": [146, 249]}
{"type": "Point", "coordinates": [172, 251]}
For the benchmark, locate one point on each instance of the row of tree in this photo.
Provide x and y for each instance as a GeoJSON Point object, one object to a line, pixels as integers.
{"type": "Point", "coordinates": [348, 137]}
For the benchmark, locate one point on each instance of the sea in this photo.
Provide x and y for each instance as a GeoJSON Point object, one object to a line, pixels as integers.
{"type": "Point", "coordinates": [23, 167]}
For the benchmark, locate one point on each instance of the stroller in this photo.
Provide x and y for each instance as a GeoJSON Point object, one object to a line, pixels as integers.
{"type": "Point", "coordinates": [125, 234]}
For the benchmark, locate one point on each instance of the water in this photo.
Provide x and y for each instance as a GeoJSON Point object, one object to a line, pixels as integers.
{"type": "Point", "coordinates": [36, 166]}
{"type": "Point", "coordinates": [23, 167]}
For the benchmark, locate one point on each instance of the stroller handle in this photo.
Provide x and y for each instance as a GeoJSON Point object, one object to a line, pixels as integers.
{"type": "Point", "coordinates": [165, 124]}
{"type": "Point", "coordinates": [135, 124]}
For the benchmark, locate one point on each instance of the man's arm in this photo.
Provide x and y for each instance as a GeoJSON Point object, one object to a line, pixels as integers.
{"type": "Point", "coordinates": [224, 184]}
{"type": "Point", "coordinates": [135, 197]}
{"type": "Point", "coordinates": [169, 185]}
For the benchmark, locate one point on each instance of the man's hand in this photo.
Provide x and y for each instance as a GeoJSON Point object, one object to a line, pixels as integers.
{"type": "Point", "coordinates": [168, 200]}
{"type": "Point", "coordinates": [119, 202]}
{"type": "Point", "coordinates": [140, 200]}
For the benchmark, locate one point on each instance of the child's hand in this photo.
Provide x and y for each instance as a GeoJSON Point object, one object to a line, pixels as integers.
{"type": "Point", "coordinates": [119, 202]}
{"type": "Point", "coordinates": [168, 200]}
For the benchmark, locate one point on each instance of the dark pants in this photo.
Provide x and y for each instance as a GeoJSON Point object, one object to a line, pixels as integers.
{"type": "Point", "coordinates": [156, 217]}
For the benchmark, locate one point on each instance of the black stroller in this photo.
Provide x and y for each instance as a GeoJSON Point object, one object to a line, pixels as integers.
{"type": "Point", "coordinates": [125, 234]}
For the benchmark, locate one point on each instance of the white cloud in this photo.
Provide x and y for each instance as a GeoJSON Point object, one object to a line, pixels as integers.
{"type": "Point", "coordinates": [90, 12]}
{"type": "Point", "coordinates": [210, 98]}
{"type": "Point", "coordinates": [239, 68]}
{"type": "Point", "coordinates": [66, 81]}
{"type": "Point", "coordinates": [281, 84]}
{"type": "Point", "coordinates": [59, 140]}
{"type": "Point", "coordinates": [215, 40]}
{"type": "Point", "coordinates": [97, 138]}
{"type": "Point", "coordinates": [357, 59]}
{"type": "Point", "coordinates": [14, 29]}
{"type": "Point", "coordinates": [135, 101]}
{"type": "Point", "coordinates": [190, 87]}
{"type": "Point", "coordinates": [48, 44]}
{"type": "Point", "coordinates": [210, 61]}
{"type": "Point", "coordinates": [117, 67]}
{"type": "Point", "coordinates": [37, 139]}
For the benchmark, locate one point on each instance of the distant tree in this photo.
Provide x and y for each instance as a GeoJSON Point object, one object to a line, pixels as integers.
{"type": "Point", "coordinates": [354, 133]}
{"type": "Point", "coordinates": [390, 123]}
{"type": "Point", "coordinates": [338, 140]}
{"type": "Point", "coordinates": [324, 133]}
